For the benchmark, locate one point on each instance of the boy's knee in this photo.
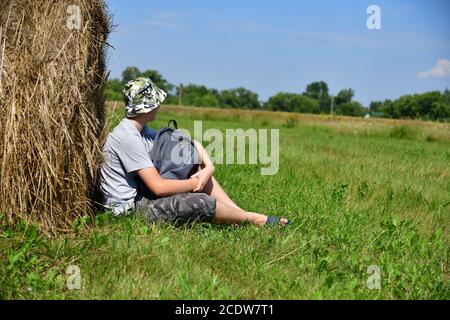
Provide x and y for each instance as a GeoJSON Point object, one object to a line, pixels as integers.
{"type": "Point", "coordinates": [201, 206]}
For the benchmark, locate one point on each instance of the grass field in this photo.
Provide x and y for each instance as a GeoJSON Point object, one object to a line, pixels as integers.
{"type": "Point", "coordinates": [361, 192]}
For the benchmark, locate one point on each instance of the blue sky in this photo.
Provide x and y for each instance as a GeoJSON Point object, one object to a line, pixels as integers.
{"type": "Point", "coordinates": [270, 46]}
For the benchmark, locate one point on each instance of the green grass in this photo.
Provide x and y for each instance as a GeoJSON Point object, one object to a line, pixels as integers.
{"type": "Point", "coordinates": [357, 198]}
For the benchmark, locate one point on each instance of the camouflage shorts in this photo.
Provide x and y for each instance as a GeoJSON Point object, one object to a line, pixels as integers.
{"type": "Point", "coordinates": [185, 207]}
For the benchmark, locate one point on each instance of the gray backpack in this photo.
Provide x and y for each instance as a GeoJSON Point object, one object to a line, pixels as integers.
{"type": "Point", "coordinates": [174, 153]}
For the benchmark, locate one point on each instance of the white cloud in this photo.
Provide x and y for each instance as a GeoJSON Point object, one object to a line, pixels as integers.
{"type": "Point", "coordinates": [161, 24]}
{"type": "Point", "coordinates": [440, 70]}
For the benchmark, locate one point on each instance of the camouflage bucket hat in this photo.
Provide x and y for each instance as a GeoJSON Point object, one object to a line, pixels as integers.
{"type": "Point", "coordinates": [141, 95]}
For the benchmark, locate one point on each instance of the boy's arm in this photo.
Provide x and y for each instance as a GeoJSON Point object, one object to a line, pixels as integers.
{"type": "Point", "coordinates": [207, 167]}
{"type": "Point", "coordinates": [167, 187]}
{"type": "Point", "coordinates": [161, 187]}
{"type": "Point", "coordinates": [204, 157]}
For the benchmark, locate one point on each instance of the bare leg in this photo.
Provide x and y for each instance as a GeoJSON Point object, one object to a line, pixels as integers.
{"type": "Point", "coordinates": [230, 213]}
{"type": "Point", "coordinates": [214, 189]}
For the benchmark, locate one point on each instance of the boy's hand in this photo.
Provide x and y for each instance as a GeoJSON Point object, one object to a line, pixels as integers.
{"type": "Point", "coordinates": [194, 184]}
{"type": "Point", "coordinates": [203, 177]}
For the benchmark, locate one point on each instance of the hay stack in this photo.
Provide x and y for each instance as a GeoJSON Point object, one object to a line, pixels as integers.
{"type": "Point", "coordinates": [52, 110]}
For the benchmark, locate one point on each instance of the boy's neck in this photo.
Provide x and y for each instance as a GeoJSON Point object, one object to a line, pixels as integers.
{"type": "Point", "coordinates": [139, 123]}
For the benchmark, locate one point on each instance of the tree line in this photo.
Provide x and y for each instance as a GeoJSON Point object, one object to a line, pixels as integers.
{"type": "Point", "coordinates": [315, 99]}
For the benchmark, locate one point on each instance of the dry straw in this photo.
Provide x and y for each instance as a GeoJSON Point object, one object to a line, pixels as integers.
{"type": "Point", "coordinates": [52, 110]}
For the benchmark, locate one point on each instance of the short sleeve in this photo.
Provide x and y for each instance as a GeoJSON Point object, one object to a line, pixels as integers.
{"type": "Point", "coordinates": [133, 155]}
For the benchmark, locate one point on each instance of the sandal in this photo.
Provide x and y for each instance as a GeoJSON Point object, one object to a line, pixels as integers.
{"type": "Point", "coordinates": [273, 221]}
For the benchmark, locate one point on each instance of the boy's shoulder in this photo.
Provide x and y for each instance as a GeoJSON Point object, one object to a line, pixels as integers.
{"type": "Point", "coordinates": [125, 134]}
{"type": "Point", "coordinates": [125, 126]}
{"type": "Point", "coordinates": [122, 132]}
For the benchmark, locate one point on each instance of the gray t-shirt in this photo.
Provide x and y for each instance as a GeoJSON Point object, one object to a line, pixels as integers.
{"type": "Point", "coordinates": [126, 151]}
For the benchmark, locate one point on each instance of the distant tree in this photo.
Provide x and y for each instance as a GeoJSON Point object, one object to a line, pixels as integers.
{"type": "Point", "coordinates": [195, 95]}
{"type": "Point", "coordinates": [431, 105]}
{"type": "Point", "coordinates": [291, 102]}
{"type": "Point", "coordinates": [209, 100]}
{"type": "Point", "coordinates": [445, 97]}
{"type": "Point", "coordinates": [389, 110]}
{"type": "Point", "coordinates": [317, 90]}
{"type": "Point", "coordinates": [350, 109]}
{"type": "Point", "coordinates": [130, 73]}
{"type": "Point", "coordinates": [441, 109]}
{"type": "Point", "coordinates": [416, 106]}
{"type": "Point", "coordinates": [344, 96]}
{"type": "Point", "coordinates": [239, 98]}
{"type": "Point", "coordinates": [425, 102]}
{"type": "Point", "coordinates": [113, 90]}
{"type": "Point", "coordinates": [158, 79]}
{"type": "Point", "coordinates": [376, 106]}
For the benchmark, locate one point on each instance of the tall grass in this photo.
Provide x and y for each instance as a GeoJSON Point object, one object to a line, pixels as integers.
{"type": "Point", "coordinates": [356, 200]}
